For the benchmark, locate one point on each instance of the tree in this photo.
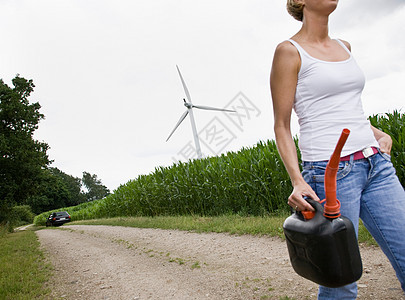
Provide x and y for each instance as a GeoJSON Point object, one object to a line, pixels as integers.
{"type": "Point", "coordinates": [51, 193]}
{"type": "Point", "coordinates": [22, 159]}
{"type": "Point", "coordinates": [95, 189]}
{"type": "Point", "coordinates": [57, 189]}
{"type": "Point", "coordinates": [73, 185]}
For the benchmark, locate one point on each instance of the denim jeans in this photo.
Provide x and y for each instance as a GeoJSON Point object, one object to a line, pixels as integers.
{"type": "Point", "coordinates": [369, 189]}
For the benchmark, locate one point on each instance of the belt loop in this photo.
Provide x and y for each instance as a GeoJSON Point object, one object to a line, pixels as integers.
{"type": "Point", "coordinates": [351, 159]}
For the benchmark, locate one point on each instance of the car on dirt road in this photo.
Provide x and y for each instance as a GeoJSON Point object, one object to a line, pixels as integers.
{"type": "Point", "coordinates": [58, 218]}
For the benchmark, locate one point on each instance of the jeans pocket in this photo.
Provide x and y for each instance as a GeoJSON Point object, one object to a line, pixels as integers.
{"type": "Point", "coordinates": [386, 156]}
{"type": "Point", "coordinates": [316, 171]}
{"type": "Point", "coordinates": [345, 170]}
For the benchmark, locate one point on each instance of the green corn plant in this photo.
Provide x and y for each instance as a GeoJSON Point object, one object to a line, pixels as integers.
{"type": "Point", "coordinates": [251, 181]}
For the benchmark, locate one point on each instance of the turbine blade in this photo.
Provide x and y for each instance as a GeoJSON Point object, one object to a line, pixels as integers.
{"type": "Point", "coordinates": [213, 108]}
{"type": "Point", "coordinates": [184, 85]}
{"type": "Point", "coordinates": [178, 123]}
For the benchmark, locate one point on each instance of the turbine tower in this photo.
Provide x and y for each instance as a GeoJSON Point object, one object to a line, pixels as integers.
{"type": "Point", "coordinates": [189, 105]}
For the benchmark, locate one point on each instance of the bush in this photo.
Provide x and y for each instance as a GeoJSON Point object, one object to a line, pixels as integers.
{"type": "Point", "coordinates": [22, 214]}
{"type": "Point", "coordinates": [18, 216]}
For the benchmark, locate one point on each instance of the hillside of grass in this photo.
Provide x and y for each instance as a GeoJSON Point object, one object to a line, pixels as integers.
{"type": "Point", "coordinates": [250, 182]}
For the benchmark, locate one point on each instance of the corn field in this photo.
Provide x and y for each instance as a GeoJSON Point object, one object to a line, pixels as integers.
{"type": "Point", "coordinates": [252, 181]}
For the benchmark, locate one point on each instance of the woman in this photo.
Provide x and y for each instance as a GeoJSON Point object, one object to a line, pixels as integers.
{"type": "Point", "coordinates": [318, 78]}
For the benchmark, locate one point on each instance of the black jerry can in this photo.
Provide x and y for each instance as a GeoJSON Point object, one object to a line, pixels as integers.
{"type": "Point", "coordinates": [323, 250]}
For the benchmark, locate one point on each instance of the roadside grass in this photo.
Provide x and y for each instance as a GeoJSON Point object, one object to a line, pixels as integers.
{"type": "Point", "coordinates": [23, 268]}
{"type": "Point", "coordinates": [365, 236]}
{"type": "Point", "coordinates": [271, 225]}
{"type": "Point", "coordinates": [233, 224]}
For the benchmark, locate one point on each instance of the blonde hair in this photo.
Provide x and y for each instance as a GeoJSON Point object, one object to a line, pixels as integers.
{"type": "Point", "coordinates": [295, 9]}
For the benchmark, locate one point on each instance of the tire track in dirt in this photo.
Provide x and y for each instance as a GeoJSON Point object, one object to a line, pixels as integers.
{"type": "Point", "coordinates": [105, 262]}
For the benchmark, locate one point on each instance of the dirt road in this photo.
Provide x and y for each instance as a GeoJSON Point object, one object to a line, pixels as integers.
{"type": "Point", "coordinates": [103, 262]}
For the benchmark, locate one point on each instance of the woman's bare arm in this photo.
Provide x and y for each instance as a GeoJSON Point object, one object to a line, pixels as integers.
{"type": "Point", "coordinates": [283, 82]}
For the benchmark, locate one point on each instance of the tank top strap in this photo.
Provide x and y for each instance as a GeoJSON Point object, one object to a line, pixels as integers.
{"type": "Point", "coordinates": [299, 48]}
{"type": "Point", "coordinates": [343, 46]}
{"type": "Point", "coordinates": [304, 56]}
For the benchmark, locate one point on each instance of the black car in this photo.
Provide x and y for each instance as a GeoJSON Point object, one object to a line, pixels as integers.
{"type": "Point", "coordinates": [58, 218]}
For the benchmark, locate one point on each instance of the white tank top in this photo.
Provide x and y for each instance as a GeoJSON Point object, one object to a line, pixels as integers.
{"type": "Point", "coordinates": [327, 100]}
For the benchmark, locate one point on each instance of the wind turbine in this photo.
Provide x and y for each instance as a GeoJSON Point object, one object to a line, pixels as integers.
{"type": "Point", "coordinates": [189, 110]}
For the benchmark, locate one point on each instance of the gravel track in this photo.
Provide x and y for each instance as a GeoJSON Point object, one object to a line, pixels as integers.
{"type": "Point", "coordinates": [106, 262]}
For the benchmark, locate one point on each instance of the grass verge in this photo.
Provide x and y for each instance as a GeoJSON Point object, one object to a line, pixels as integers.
{"type": "Point", "coordinates": [23, 267]}
{"type": "Point", "coordinates": [233, 224]}
{"type": "Point", "coordinates": [365, 236]}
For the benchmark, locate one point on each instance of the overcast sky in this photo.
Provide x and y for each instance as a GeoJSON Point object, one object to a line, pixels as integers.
{"type": "Point", "coordinates": [106, 78]}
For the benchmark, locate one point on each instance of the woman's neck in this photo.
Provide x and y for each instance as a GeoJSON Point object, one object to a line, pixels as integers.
{"type": "Point", "coordinates": [315, 29]}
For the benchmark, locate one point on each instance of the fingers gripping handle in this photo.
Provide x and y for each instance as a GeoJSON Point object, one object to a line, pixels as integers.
{"type": "Point", "coordinates": [308, 214]}
{"type": "Point", "coordinates": [332, 205]}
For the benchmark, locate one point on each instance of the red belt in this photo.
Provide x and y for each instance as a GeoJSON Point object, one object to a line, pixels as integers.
{"type": "Point", "coordinates": [367, 152]}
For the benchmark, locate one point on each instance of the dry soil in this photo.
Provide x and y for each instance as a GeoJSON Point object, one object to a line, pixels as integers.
{"type": "Point", "coordinates": [104, 262]}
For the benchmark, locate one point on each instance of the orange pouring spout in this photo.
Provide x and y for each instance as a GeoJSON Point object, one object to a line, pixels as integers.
{"type": "Point", "coordinates": [332, 205]}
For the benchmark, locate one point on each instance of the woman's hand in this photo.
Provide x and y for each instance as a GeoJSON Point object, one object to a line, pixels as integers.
{"type": "Point", "coordinates": [383, 139]}
{"type": "Point", "coordinates": [296, 199]}
{"type": "Point", "coordinates": [385, 143]}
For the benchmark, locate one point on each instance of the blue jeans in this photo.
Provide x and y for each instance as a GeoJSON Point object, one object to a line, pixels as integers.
{"type": "Point", "coordinates": [368, 189]}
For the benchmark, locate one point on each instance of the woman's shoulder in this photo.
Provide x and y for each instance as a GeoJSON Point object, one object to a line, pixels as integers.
{"type": "Point", "coordinates": [347, 44]}
{"type": "Point", "coordinates": [286, 50]}
{"type": "Point", "coordinates": [286, 57]}
{"type": "Point", "coordinates": [286, 47]}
